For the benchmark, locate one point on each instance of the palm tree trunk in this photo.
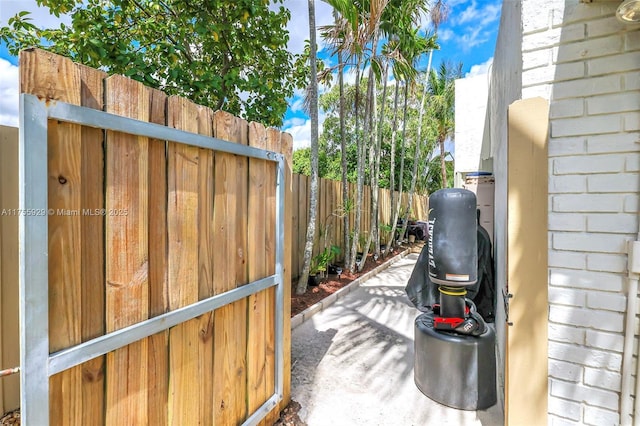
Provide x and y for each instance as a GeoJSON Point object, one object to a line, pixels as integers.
{"type": "Point", "coordinates": [359, 178]}
{"type": "Point", "coordinates": [392, 172]}
{"type": "Point", "coordinates": [313, 112]}
{"type": "Point", "coordinates": [343, 151]}
{"type": "Point", "coordinates": [443, 163]}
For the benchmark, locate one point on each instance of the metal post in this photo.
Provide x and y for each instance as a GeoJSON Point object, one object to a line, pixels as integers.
{"type": "Point", "coordinates": [34, 266]}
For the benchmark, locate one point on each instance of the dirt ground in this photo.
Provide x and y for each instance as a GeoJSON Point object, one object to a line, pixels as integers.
{"type": "Point", "coordinates": [333, 283]}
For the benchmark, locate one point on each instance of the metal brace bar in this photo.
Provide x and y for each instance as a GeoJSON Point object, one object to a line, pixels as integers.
{"type": "Point", "coordinates": [36, 363]}
{"type": "Point", "coordinates": [86, 351]}
{"type": "Point", "coordinates": [104, 120]}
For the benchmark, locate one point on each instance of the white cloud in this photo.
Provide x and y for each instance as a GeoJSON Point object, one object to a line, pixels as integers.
{"type": "Point", "coordinates": [480, 69]}
{"type": "Point", "coordinates": [8, 93]}
{"type": "Point", "coordinates": [300, 129]}
{"type": "Point", "coordinates": [40, 16]}
{"type": "Point", "coordinates": [298, 25]}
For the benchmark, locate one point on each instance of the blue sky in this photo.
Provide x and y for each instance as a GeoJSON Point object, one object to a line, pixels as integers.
{"type": "Point", "coordinates": [468, 36]}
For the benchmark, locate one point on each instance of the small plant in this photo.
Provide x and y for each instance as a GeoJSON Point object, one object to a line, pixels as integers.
{"type": "Point", "coordinates": [320, 262]}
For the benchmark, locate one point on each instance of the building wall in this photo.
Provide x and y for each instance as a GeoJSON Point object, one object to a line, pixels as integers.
{"type": "Point", "coordinates": [472, 130]}
{"type": "Point", "coordinates": [586, 64]}
{"type": "Point", "coordinates": [505, 88]}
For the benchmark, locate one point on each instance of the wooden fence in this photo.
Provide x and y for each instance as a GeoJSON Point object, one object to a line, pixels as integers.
{"type": "Point", "coordinates": [331, 206]}
{"type": "Point", "coordinates": [181, 224]}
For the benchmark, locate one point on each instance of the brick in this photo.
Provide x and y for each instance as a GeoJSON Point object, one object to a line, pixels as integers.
{"type": "Point", "coordinates": [593, 125]}
{"type": "Point", "coordinates": [565, 334]}
{"type": "Point", "coordinates": [587, 203]}
{"type": "Point", "coordinates": [619, 142]}
{"type": "Point", "coordinates": [567, 222]}
{"type": "Point", "coordinates": [535, 59]}
{"type": "Point", "coordinates": [631, 204]}
{"type": "Point", "coordinates": [553, 37]}
{"type": "Point", "coordinates": [619, 182]}
{"type": "Point", "coordinates": [542, 90]}
{"type": "Point", "coordinates": [596, 319]}
{"type": "Point", "coordinates": [609, 302]}
{"type": "Point", "coordinates": [565, 371]}
{"type": "Point", "coordinates": [613, 223]}
{"type": "Point", "coordinates": [586, 356]}
{"type": "Point", "coordinates": [632, 164]}
{"type": "Point", "coordinates": [555, 421]}
{"type": "Point", "coordinates": [589, 280]}
{"type": "Point", "coordinates": [569, 297]}
{"type": "Point", "coordinates": [602, 27]}
{"type": "Point", "coordinates": [631, 122]}
{"type": "Point", "coordinates": [587, 87]}
{"type": "Point", "coordinates": [587, 394]}
{"type": "Point", "coordinates": [537, 19]}
{"type": "Point", "coordinates": [603, 340]}
{"type": "Point", "coordinates": [592, 48]}
{"type": "Point", "coordinates": [631, 40]}
{"type": "Point", "coordinates": [567, 184]}
{"type": "Point", "coordinates": [614, 64]}
{"type": "Point", "coordinates": [567, 146]}
{"type": "Point", "coordinates": [567, 108]}
{"type": "Point", "coordinates": [588, 164]}
{"type": "Point", "coordinates": [569, 71]}
{"type": "Point", "coordinates": [563, 408]}
{"type": "Point", "coordinates": [567, 259]}
{"type": "Point", "coordinates": [599, 417]}
{"type": "Point", "coordinates": [614, 103]}
{"type": "Point", "coordinates": [632, 80]}
{"type": "Point", "coordinates": [606, 262]}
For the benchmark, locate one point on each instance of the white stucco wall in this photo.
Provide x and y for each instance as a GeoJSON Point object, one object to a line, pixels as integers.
{"type": "Point", "coordinates": [587, 65]}
{"type": "Point", "coordinates": [472, 126]}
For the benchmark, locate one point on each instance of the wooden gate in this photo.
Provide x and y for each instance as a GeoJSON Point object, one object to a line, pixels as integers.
{"type": "Point", "coordinates": [153, 261]}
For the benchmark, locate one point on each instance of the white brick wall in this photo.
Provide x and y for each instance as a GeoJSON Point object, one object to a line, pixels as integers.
{"type": "Point", "coordinates": [586, 63]}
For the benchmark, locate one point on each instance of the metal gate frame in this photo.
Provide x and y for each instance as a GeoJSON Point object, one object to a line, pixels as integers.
{"type": "Point", "coordinates": [37, 364]}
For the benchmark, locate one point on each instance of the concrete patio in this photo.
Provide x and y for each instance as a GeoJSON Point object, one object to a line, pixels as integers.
{"type": "Point", "coordinates": [352, 362]}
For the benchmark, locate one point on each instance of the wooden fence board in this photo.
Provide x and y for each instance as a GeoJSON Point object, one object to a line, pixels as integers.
{"type": "Point", "coordinates": [158, 357]}
{"type": "Point", "coordinates": [257, 266]}
{"type": "Point", "coordinates": [92, 241]}
{"type": "Point", "coordinates": [286, 146]}
{"type": "Point", "coordinates": [52, 77]}
{"type": "Point", "coordinates": [182, 218]}
{"type": "Point", "coordinates": [206, 249]}
{"type": "Point", "coordinates": [230, 234]}
{"type": "Point", "coordinates": [127, 295]}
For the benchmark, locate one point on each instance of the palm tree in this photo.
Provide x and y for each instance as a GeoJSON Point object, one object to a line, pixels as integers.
{"type": "Point", "coordinates": [441, 105]}
{"type": "Point", "coordinates": [438, 14]}
{"type": "Point", "coordinates": [312, 100]}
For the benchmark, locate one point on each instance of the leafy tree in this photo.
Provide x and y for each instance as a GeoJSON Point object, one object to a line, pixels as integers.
{"type": "Point", "coordinates": [225, 55]}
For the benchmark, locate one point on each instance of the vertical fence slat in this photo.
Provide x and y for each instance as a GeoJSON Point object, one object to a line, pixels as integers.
{"type": "Point", "coordinates": [158, 357]}
{"type": "Point", "coordinates": [92, 240]}
{"type": "Point", "coordinates": [286, 148]}
{"type": "Point", "coordinates": [256, 259]}
{"type": "Point", "coordinates": [230, 231]}
{"type": "Point", "coordinates": [273, 144]}
{"type": "Point", "coordinates": [182, 218]}
{"type": "Point", "coordinates": [295, 215]}
{"type": "Point", "coordinates": [127, 295]}
{"type": "Point", "coordinates": [206, 268]}
{"type": "Point", "coordinates": [55, 78]}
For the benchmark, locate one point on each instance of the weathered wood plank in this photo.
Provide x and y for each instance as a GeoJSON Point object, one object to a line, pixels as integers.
{"type": "Point", "coordinates": [258, 223]}
{"type": "Point", "coordinates": [230, 234]}
{"type": "Point", "coordinates": [127, 265]}
{"type": "Point", "coordinates": [158, 356]}
{"type": "Point", "coordinates": [206, 249]}
{"type": "Point", "coordinates": [182, 219]}
{"type": "Point", "coordinates": [93, 251]}
{"type": "Point", "coordinates": [55, 78]}
{"type": "Point", "coordinates": [286, 148]}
